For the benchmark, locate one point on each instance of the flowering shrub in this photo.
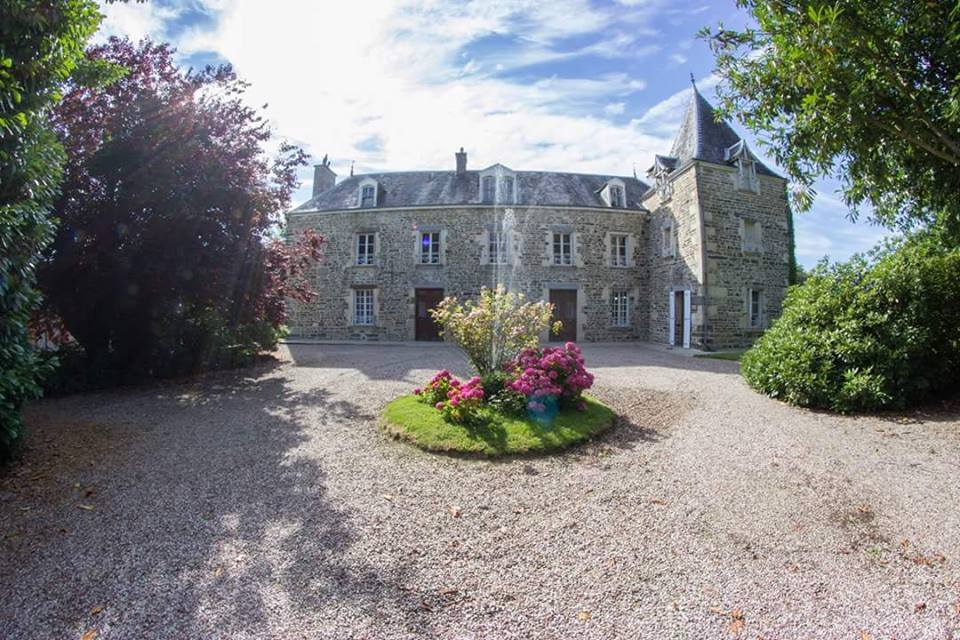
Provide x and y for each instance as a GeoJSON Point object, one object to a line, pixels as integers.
{"type": "Point", "coordinates": [495, 328]}
{"type": "Point", "coordinates": [551, 371]}
{"type": "Point", "coordinates": [457, 401]}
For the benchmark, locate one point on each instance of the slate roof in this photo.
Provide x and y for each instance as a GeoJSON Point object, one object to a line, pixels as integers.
{"type": "Point", "coordinates": [425, 188]}
{"type": "Point", "coordinates": [702, 137]}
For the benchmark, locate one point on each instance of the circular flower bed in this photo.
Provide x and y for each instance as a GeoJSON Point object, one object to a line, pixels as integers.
{"type": "Point", "coordinates": [535, 404]}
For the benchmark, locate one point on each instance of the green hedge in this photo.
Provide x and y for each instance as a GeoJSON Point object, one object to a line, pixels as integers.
{"type": "Point", "coordinates": [881, 331]}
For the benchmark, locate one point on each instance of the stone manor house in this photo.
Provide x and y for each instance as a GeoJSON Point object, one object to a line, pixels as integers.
{"type": "Point", "coordinates": [699, 257]}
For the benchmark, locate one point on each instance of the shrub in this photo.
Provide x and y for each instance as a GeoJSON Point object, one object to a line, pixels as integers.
{"type": "Point", "coordinates": [495, 328]}
{"type": "Point", "coordinates": [880, 331]}
{"type": "Point", "coordinates": [458, 401]}
{"type": "Point", "coordinates": [41, 44]}
{"type": "Point", "coordinates": [551, 371]}
{"type": "Point", "coordinates": [508, 402]}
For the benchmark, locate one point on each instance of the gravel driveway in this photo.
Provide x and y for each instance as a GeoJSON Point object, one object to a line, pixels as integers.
{"type": "Point", "coordinates": [267, 504]}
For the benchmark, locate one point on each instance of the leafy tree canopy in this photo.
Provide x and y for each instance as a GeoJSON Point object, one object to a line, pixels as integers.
{"type": "Point", "coordinates": [868, 92]}
{"type": "Point", "coordinates": [163, 256]}
{"type": "Point", "coordinates": [41, 43]}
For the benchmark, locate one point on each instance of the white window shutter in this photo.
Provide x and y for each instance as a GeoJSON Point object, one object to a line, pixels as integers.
{"type": "Point", "coordinates": [686, 319]}
{"type": "Point", "coordinates": [671, 322]}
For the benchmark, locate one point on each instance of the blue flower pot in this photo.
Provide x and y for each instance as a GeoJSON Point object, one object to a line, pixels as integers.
{"type": "Point", "coordinates": [544, 409]}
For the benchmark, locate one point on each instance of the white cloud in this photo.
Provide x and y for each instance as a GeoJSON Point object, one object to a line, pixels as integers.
{"type": "Point", "coordinates": [134, 20]}
{"type": "Point", "coordinates": [614, 108]}
{"type": "Point", "coordinates": [678, 58]}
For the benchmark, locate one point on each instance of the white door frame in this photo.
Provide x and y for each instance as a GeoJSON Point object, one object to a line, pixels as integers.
{"type": "Point", "coordinates": [671, 333]}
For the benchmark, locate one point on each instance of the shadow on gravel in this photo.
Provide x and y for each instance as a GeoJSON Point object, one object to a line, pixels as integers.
{"type": "Point", "coordinates": [205, 523]}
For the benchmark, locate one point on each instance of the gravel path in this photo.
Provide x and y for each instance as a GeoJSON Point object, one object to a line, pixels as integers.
{"type": "Point", "coordinates": [267, 504]}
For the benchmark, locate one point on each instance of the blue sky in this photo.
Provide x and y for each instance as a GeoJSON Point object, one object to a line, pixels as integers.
{"type": "Point", "coordinates": [567, 85]}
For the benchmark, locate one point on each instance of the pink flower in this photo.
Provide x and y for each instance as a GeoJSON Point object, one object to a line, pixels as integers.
{"type": "Point", "coordinates": [454, 401]}
{"type": "Point", "coordinates": [438, 406]}
{"type": "Point", "coordinates": [417, 391]}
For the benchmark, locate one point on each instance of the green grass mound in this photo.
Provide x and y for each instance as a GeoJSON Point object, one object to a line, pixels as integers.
{"type": "Point", "coordinates": [494, 434]}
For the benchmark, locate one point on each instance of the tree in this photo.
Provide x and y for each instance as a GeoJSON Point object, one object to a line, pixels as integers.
{"type": "Point", "coordinates": [41, 43]}
{"type": "Point", "coordinates": [866, 92]}
{"type": "Point", "coordinates": [163, 261]}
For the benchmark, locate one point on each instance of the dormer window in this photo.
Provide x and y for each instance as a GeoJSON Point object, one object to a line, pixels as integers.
{"type": "Point", "coordinates": [368, 196]}
{"type": "Point", "coordinates": [498, 185]}
{"type": "Point", "coordinates": [664, 185]}
{"type": "Point", "coordinates": [746, 166]}
{"type": "Point", "coordinates": [489, 189]}
{"type": "Point", "coordinates": [614, 193]}
{"type": "Point", "coordinates": [367, 193]}
{"type": "Point", "coordinates": [746, 174]}
{"type": "Point", "coordinates": [616, 197]}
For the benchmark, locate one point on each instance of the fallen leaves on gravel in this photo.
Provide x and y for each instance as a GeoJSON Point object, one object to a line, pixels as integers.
{"type": "Point", "coordinates": [85, 507]}
{"type": "Point", "coordinates": [97, 609]}
{"type": "Point", "coordinates": [583, 616]}
{"type": "Point", "coordinates": [865, 636]}
{"type": "Point", "coordinates": [737, 620]}
{"type": "Point", "coordinates": [659, 501]}
{"type": "Point", "coordinates": [454, 511]}
{"type": "Point", "coordinates": [387, 496]}
{"type": "Point", "coordinates": [89, 635]}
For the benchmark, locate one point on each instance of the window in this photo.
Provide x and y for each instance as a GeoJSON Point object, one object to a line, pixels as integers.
{"type": "Point", "coordinates": [746, 174]}
{"type": "Point", "coordinates": [620, 309]}
{"type": "Point", "coordinates": [616, 196]}
{"type": "Point", "coordinates": [366, 243]}
{"type": "Point", "coordinates": [618, 250]}
{"type": "Point", "coordinates": [489, 189]}
{"type": "Point", "coordinates": [562, 248]}
{"type": "Point", "coordinates": [754, 309]}
{"type": "Point", "coordinates": [667, 240]}
{"type": "Point", "coordinates": [506, 189]}
{"type": "Point", "coordinates": [430, 247]}
{"type": "Point", "coordinates": [368, 196]}
{"type": "Point", "coordinates": [497, 247]}
{"type": "Point", "coordinates": [363, 306]}
{"type": "Point", "coordinates": [663, 185]}
{"type": "Point", "coordinates": [752, 236]}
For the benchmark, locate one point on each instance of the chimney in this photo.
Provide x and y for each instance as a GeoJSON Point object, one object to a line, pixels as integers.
{"type": "Point", "coordinates": [323, 177]}
{"type": "Point", "coordinates": [461, 161]}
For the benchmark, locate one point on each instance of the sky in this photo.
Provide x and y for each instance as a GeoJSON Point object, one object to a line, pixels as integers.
{"type": "Point", "coordinates": [584, 86]}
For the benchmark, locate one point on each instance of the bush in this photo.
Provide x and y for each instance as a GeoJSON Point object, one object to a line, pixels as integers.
{"type": "Point", "coordinates": [457, 401]}
{"type": "Point", "coordinates": [878, 332]}
{"type": "Point", "coordinates": [551, 371]}
{"type": "Point", "coordinates": [493, 330]}
{"type": "Point", "coordinates": [40, 46]}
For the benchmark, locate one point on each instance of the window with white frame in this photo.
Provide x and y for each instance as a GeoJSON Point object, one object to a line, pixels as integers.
{"type": "Point", "coordinates": [754, 308]}
{"type": "Point", "coordinates": [620, 308]}
{"type": "Point", "coordinates": [489, 186]}
{"type": "Point", "coordinates": [368, 196]}
{"type": "Point", "coordinates": [562, 248]}
{"type": "Point", "coordinates": [752, 236]}
{"type": "Point", "coordinates": [618, 250]}
{"type": "Point", "coordinates": [363, 306]}
{"type": "Point", "coordinates": [429, 247]}
{"type": "Point", "coordinates": [667, 240]}
{"type": "Point", "coordinates": [366, 245]}
{"type": "Point", "coordinates": [497, 247]}
{"type": "Point", "coordinates": [616, 196]}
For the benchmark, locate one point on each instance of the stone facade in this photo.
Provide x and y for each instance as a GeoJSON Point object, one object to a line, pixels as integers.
{"type": "Point", "coordinates": [704, 260]}
{"type": "Point", "coordinates": [465, 267]}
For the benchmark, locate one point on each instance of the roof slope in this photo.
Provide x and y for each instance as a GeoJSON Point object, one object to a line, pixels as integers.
{"type": "Point", "coordinates": [703, 137]}
{"type": "Point", "coordinates": [426, 188]}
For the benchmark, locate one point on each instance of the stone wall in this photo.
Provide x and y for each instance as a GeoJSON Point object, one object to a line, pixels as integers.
{"type": "Point", "coordinates": [464, 267]}
{"type": "Point", "coordinates": [681, 268]}
{"type": "Point", "coordinates": [732, 270]}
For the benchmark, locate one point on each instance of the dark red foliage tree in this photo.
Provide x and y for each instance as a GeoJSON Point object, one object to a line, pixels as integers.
{"type": "Point", "coordinates": [163, 261]}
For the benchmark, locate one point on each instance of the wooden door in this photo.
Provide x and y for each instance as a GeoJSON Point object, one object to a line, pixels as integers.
{"type": "Point", "coordinates": [564, 303]}
{"type": "Point", "coordinates": [425, 328]}
{"type": "Point", "coordinates": [679, 323]}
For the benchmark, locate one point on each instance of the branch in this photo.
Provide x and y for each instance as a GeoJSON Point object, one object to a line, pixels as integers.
{"type": "Point", "coordinates": [955, 160]}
